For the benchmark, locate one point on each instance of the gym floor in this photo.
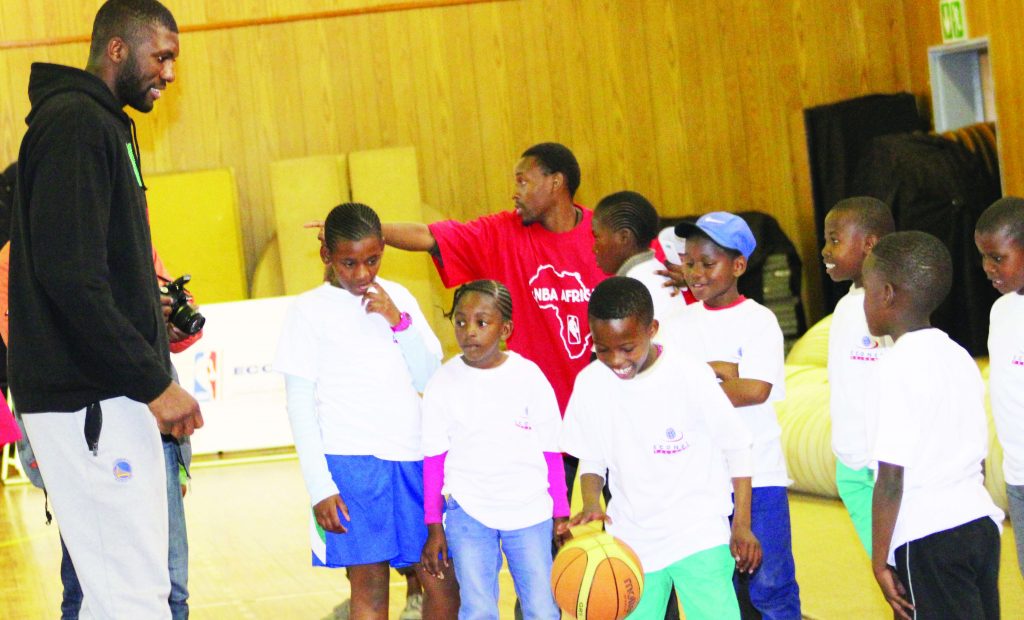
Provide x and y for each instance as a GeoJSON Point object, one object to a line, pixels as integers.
{"type": "Point", "coordinates": [250, 553]}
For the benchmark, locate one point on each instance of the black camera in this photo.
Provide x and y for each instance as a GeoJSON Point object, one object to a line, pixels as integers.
{"type": "Point", "coordinates": [183, 315]}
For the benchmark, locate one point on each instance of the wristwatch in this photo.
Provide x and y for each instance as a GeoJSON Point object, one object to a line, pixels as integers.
{"type": "Point", "coordinates": [404, 321]}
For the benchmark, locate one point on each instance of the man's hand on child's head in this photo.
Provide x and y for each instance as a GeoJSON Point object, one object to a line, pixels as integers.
{"type": "Point", "coordinates": [674, 277]}
{"type": "Point", "coordinates": [377, 300]}
{"type": "Point", "coordinates": [327, 515]}
{"type": "Point", "coordinates": [319, 225]}
{"type": "Point", "coordinates": [746, 549]}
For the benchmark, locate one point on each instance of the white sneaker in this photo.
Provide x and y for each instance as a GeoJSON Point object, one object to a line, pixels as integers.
{"type": "Point", "coordinates": [413, 608]}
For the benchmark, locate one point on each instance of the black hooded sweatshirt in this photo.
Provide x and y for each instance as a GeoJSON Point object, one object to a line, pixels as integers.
{"type": "Point", "coordinates": [85, 317]}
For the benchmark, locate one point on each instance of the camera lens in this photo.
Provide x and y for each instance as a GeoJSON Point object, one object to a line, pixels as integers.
{"type": "Point", "coordinates": [188, 320]}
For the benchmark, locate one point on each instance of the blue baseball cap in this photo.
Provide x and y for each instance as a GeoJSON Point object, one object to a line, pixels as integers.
{"type": "Point", "coordinates": [726, 229]}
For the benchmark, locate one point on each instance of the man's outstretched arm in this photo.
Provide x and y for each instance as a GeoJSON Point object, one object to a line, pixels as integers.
{"type": "Point", "coordinates": [412, 237]}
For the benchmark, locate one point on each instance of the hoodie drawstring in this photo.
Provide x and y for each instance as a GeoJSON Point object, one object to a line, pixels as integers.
{"type": "Point", "coordinates": [138, 153]}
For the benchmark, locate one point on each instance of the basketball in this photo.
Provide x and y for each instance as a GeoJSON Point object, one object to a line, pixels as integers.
{"type": "Point", "coordinates": [597, 577]}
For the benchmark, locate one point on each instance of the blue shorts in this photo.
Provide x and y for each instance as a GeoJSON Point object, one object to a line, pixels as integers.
{"type": "Point", "coordinates": [385, 502]}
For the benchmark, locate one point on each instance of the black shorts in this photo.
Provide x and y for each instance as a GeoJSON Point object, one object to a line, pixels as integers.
{"type": "Point", "coordinates": [954, 573]}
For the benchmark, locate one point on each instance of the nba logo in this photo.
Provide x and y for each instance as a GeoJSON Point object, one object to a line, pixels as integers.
{"type": "Point", "coordinates": [204, 385]}
{"type": "Point", "coordinates": [574, 329]}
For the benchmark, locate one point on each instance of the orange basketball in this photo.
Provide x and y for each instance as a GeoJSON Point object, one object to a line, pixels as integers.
{"type": "Point", "coordinates": [597, 577]}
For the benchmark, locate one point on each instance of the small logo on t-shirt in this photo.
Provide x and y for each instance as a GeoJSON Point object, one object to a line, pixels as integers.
{"type": "Point", "coordinates": [523, 420]}
{"type": "Point", "coordinates": [122, 470]}
{"type": "Point", "coordinates": [1017, 360]}
{"type": "Point", "coordinates": [563, 295]}
{"type": "Point", "coordinates": [867, 350]}
{"type": "Point", "coordinates": [672, 443]}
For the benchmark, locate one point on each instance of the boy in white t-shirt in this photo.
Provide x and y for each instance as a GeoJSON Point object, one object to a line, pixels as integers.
{"type": "Point", "coordinates": [354, 352]}
{"type": "Point", "coordinates": [657, 422]}
{"type": "Point", "coordinates": [741, 340]}
{"type": "Point", "coordinates": [852, 227]}
{"type": "Point", "coordinates": [935, 530]}
{"type": "Point", "coordinates": [999, 236]}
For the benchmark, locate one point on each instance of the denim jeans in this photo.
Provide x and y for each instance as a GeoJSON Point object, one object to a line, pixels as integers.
{"type": "Point", "coordinates": [71, 603]}
{"type": "Point", "coordinates": [177, 551]}
{"type": "Point", "coordinates": [1015, 498]}
{"type": "Point", "coordinates": [476, 550]}
{"type": "Point", "coordinates": [177, 560]}
{"type": "Point", "coordinates": [772, 589]}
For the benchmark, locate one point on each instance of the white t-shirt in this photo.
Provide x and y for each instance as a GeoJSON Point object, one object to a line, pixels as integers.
{"type": "Point", "coordinates": [667, 309]}
{"type": "Point", "coordinates": [931, 421]}
{"type": "Point", "coordinates": [496, 424]}
{"type": "Point", "coordinates": [366, 402]}
{"type": "Point", "coordinates": [748, 334]}
{"type": "Point", "coordinates": [853, 356]}
{"type": "Point", "coordinates": [1006, 381]}
{"type": "Point", "coordinates": [663, 437]}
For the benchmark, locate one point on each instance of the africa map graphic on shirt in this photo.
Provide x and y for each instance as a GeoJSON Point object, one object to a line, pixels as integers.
{"type": "Point", "coordinates": [565, 297]}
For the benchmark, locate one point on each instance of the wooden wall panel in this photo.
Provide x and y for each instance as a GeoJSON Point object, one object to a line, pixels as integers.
{"type": "Point", "coordinates": [1007, 68]}
{"type": "Point", "coordinates": [697, 104]}
{"type": "Point", "coordinates": [1000, 21]}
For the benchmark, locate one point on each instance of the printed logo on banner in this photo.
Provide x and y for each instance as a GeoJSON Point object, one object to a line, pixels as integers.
{"type": "Point", "coordinates": [206, 385]}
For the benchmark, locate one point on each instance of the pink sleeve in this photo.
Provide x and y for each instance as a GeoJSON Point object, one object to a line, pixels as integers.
{"type": "Point", "coordinates": [433, 483]}
{"type": "Point", "coordinates": [556, 484]}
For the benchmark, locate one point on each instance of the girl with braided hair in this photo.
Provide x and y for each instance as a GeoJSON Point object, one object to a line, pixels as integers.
{"type": "Point", "coordinates": [490, 436]}
{"type": "Point", "coordinates": [355, 352]}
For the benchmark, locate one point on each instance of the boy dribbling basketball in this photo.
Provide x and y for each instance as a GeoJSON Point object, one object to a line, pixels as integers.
{"type": "Point", "coordinates": [669, 439]}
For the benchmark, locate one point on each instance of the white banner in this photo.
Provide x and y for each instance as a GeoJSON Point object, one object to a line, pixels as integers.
{"type": "Point", "coordinates": [229, 372]}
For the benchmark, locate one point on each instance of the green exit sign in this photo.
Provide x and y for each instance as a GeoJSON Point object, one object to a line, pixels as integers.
{"type": "Point", "coordinates": [953, 18]}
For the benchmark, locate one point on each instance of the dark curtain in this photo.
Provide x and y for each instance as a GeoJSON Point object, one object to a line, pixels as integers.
{"type": "Point", "coordinates": [837, 135]}
{"type": "Point", "coordinates": [935, 185]}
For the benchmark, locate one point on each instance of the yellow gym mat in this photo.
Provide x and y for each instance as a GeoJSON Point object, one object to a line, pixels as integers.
{"type": "Point", "coordinates": [304, 189]}
{"type": "Point", "coordinates": [196, 229]}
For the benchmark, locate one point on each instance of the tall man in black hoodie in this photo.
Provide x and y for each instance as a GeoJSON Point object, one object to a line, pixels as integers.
{"type": "Point", "coordinates": [89, 362]}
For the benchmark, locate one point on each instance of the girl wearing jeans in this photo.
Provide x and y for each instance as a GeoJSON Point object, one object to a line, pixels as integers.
{"type": "Point", "coordinates": [490, 440]}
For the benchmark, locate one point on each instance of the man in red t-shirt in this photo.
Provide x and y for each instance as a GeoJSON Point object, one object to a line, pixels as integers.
{"type": "Point", "coordinates": [543, 251]}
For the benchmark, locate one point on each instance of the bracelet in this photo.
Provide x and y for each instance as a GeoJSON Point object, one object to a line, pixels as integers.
{"type": "Point", "coordinates": [404, 321]}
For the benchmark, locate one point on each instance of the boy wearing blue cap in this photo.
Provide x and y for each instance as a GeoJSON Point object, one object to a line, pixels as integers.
{"type": "Point", "coordinates": [741, 340]}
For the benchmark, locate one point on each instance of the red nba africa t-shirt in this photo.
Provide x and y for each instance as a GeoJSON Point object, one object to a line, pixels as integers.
{"type": "Point", "coordinates": [550, 276]}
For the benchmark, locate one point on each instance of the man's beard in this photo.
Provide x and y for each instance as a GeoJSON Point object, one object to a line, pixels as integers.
{"type": "Point", "coordinates": [130, 88]}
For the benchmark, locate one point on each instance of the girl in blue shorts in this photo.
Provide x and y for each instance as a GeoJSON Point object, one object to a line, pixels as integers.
{"type": "Point", "coordinates": [354, 352]}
